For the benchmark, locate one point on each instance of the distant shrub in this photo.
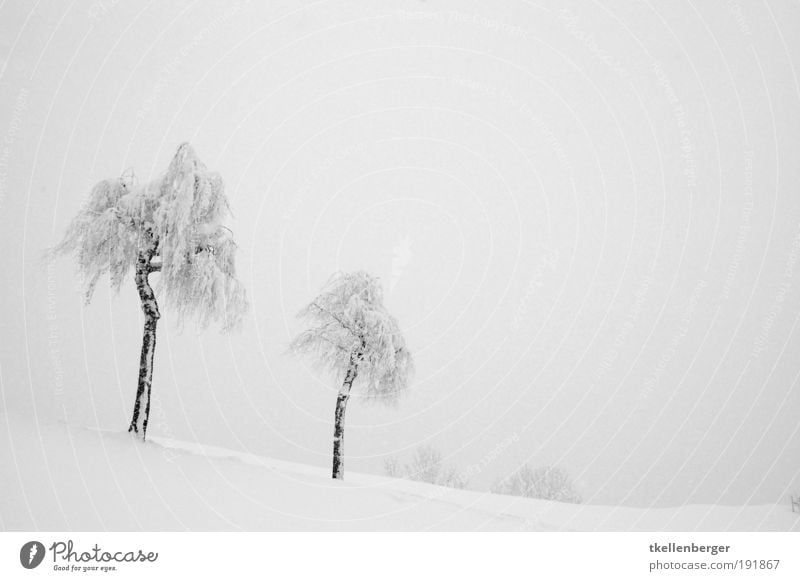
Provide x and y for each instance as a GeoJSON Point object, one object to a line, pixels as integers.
{"type": "Point", "coordinates": [392, 467]}
{"type": "Point", "coordinates": [426, 465]}
{"type": "Point", "coordinates": [547, 483]}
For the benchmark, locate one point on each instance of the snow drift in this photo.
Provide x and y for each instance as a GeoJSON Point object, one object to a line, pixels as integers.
{"type": "Point", "coordinates": [58, 477]}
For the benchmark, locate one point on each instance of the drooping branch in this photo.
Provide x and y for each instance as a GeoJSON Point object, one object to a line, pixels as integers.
{"type": "Point", "coordinates": [349, 320]}
{"type": "Point", "coordinates": [337, 318]}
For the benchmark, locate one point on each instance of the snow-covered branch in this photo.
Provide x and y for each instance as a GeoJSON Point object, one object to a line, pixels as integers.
{"type": "Point", "coordinates": [348, 320]}
{"type": "Point", "coordinates": [177, 219]}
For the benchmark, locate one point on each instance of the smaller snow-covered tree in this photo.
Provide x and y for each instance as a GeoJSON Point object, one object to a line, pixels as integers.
{"type": "Point", "coordinates": [547, 483]}
{"type": "Point", "coordinates": [352, 334]}
{"type": "Point", "coordinates": [171, 226]}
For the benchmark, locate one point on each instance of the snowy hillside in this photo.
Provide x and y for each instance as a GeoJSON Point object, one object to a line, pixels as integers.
{"type": "Point", "coordinates": [55, 477]}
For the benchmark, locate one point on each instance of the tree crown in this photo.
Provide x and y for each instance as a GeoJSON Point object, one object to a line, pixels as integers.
{"type": "Point", "coordinates": [349, 324]}
{"type": "Point", "coordinates": [176, 219]}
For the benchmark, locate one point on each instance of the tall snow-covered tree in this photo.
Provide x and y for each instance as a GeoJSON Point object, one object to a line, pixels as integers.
{"type": "Point", "coordinates": [352, 334]}
{"type": "Point", "coordinates": [172, 226]}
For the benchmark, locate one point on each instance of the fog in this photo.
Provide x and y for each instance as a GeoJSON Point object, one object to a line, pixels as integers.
{"type": "Point", "coordinates": [585, 219]}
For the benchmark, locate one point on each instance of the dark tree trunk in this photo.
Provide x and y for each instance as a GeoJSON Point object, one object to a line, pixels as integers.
{"type": "Point", "coordinates": [151, 316]}
{"type": "Point", "coordinates": [338, 420]}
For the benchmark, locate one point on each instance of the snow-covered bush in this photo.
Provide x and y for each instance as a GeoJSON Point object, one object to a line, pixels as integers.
{"type": "Point", "coordinates": [426, 465]}
{"type": "Point", "coordinates": [548, 483]}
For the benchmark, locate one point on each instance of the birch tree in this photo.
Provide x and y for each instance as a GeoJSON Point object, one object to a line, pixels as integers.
{"type": "Point", "coordinates": [352, 334]}
{"type": "Point", "coordinates": [172, 226]}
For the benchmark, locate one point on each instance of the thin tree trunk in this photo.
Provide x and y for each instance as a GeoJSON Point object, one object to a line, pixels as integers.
{"type": "Point", "coordinates": [338, 420]}
{"type": "Point", "coordinates": [151, 316]}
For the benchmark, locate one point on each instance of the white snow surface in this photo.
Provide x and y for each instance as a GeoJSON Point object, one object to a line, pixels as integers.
{"type": "Point", "coordinates": [57, 477]}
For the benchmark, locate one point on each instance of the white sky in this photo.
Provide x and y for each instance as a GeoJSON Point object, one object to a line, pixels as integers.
{"type": "Point", "coordinates": [586, 220]}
